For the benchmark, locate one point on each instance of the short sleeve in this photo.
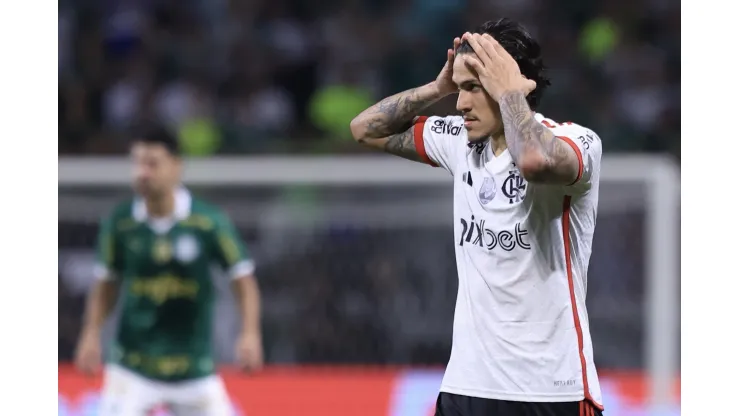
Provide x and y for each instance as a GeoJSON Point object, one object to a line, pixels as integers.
{"type": "Point", "coordinates": [108, 253]}
{"type": "Point", "coordinates": [587, 146]}
{"type": "Point", "coordinates": [437, 140]}
{"type": "Point", "coordinates": [231, 252]}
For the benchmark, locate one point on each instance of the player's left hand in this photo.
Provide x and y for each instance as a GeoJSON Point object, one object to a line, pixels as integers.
{"type": "Point", "coordinates": [249, 355]}
{"type": "Point", "coordinates": [497, 71]}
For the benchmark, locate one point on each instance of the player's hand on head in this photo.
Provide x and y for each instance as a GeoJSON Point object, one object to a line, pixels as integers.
{"type": "Point", "coordinates": [88, 356]}
{"type": "Point", "coordinates": [444, 82]}
{"type": "Point", "coordinates": [495, 67]}
{"type": "Point", "coordinates": [249, 353]}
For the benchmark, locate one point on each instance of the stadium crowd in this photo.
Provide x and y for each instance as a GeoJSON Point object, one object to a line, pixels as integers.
{"type": "Point", "coordinates": [287, 75]}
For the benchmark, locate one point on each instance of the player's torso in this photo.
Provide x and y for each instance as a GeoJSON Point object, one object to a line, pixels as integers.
{"type": "Point", "coordinates": [501, 234]}
{"type": "Point", "coordinates": [165, 327]}
{"type": "Point", "coordinates": [513, 328]}
{"type": "Point", "coordinates": [168, 263]}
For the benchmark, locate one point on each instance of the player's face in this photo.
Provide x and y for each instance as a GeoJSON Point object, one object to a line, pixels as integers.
{"type": "Point", "coordinates": [481, 112]}
{"type": "Point", "coordinates": [155, 170]}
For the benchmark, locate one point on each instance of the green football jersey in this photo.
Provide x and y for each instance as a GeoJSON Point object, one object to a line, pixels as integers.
{"type": "Point", "coordinates": [164, 269]}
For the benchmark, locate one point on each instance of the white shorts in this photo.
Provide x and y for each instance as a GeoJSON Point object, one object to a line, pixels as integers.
{"type": "Point", "coordinates": [126, 393]}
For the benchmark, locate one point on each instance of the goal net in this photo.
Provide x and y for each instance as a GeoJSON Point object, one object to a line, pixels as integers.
{"type": "Point", "coordinates": [356, 263]}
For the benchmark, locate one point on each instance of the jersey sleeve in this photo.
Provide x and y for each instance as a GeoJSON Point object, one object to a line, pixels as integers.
{"type": "Point", "coordinates": [231, 252]}
{"type": "Point", "coordinates": [587, 146]}
{"type": "Point", "coordinates": [109, 255]}
{"type": "Point", "coordinates": [437, 140]}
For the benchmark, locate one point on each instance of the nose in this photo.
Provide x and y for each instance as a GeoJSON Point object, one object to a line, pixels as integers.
{"type": "Point", "coordinates": [142, 172]}
{"type": "Point", "coordinates": [463, 102]}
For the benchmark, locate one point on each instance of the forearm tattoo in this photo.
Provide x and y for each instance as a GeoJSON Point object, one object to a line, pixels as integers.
{"type": "Point", "coordinates": [388, 124]}
{"type": "Point", "coordinates": [395, 113]}
{"type": "Point", "coordinates": [525, 134]}
{"type": "Point", "coordinates": [401, 144]}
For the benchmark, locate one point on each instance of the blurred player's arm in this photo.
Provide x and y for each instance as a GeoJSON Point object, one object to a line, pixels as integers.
{"type": "Point", "coordinates": [101, 298]}
{"type": "Point", "coordinates": [233, 256]}
{"type": "Point", "coordinates": [249, 345]}
{"type": "Point", "coordinates": [539, 154]}
{"type": "Point", "coordinates": [104, 293]}
{"type": "Point", "coordinates": [100, 302]}
{"type": "Point", "coordinates": [389, 124]}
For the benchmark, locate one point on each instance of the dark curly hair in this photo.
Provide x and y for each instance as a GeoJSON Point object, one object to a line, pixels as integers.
{"type": "Point", "coordinates": [522, 47]}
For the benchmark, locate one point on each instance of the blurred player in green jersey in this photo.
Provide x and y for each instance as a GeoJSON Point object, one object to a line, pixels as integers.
{"type": "Point", "coordinates": [156, 250]}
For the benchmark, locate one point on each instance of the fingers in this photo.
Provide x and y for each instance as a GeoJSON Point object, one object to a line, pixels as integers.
{"type": "Point", "coordinates": [474, 63]}
{"type": "Point", "coordinates": [88, 364]}
{"type": "Point", "coordinates": [93, 367]}
{"type": "Point", "coordinates": [251, 365]}
{"type": "Point", "coordinates": [501, 53]}
{"type": "Point", "coordinates": [243, 361]}
{"type": "Point", "coordinates": [475, 42]}
{"type": "Point", "coordinates": [249, 359]}
{"type": "Point", "coordinates": [451, 52]}
{"type": "Point", "coordinates": [489, 45]}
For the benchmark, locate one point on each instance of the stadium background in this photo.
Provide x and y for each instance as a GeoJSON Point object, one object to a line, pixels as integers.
{"type": "Point", "coordinates": [358, 285]}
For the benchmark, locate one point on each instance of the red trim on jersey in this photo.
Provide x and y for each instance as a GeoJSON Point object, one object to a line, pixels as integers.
{"type": "Point", "coordinates": [574, 307]}
{"type": "Point", "coordinates": [578, 155]}
{"type": "Point", "coordinates": [419, 140]}
{"type": "Point", "coordinates": [548, 124]}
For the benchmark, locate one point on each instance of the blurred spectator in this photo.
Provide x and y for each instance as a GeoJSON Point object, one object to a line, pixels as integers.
{"type": "Point", "coordinates": [334, 106]}
{"type": "Point", "coordinates": [234, 76]}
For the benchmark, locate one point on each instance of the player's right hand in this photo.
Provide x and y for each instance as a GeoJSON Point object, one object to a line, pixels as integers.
{"type": "Point", "coordinates": [444, 79]}
{"type": "Point", "coordinates": [88, 356]}
{"type": "Point", "coordinates": [249, 353]}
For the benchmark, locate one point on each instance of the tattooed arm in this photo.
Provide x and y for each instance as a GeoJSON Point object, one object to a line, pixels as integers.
{"type": "Point", "coordinates": [540, 156]}
{"type": "Point", "coordinates": [388, 125]}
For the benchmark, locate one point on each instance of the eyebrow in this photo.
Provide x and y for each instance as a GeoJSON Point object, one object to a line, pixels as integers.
{"type": "Point", "coordinates": [465, 82]}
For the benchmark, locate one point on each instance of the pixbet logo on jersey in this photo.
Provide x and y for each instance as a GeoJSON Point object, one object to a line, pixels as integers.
{"type": "Point", "coordinates": [477, 234]}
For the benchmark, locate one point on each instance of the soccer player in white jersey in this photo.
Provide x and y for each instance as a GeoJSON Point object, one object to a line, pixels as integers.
{"type": "Point", "coordinates": [525, 202]}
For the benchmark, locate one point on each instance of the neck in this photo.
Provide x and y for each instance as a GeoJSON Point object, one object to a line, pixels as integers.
{"type": "Point", "coordinates": [161, 205]}
{"type": "Point", "coordinates": [498, 143]}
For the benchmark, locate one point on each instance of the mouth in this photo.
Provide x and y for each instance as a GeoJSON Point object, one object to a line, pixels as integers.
{"type": "Point", "coordinates": [469, 121]}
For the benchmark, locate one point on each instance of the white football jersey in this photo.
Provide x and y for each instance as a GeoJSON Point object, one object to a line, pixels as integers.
{"type": "Point", "coordinates": [521, 329]}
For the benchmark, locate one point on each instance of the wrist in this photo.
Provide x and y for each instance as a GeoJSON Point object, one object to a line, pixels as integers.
{"type": "Point", "coordinates": [436, 91]}
{"type": "Point", "coordinates": [510, 92]}
{"type": "Point", "coordinates": [250, 333]}
{"type": "Point", "coordinates": [90, 333]}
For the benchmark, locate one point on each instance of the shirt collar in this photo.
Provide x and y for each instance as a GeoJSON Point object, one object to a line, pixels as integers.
{"type": "Point", "coordinates": [183, 204]}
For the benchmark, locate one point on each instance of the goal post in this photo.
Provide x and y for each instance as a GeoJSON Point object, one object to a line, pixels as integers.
{"type": "Point", "coordinates": [649, 185]}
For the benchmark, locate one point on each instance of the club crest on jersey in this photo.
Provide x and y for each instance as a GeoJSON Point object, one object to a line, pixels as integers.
{"type": "Point", "coordinates": [487, 190]}
{"type": "Point", "coordinates": [514, 187]}
{"type": "Point", "coordinates": [161, 250]}
{"type": "Point", "coordinates": [186, 248]}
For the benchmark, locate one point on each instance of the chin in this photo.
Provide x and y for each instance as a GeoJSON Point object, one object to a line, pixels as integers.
{"type": "Point", "coordinates": [476, 137]}
{"type": "Point", "coordinates": [143, 190]}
